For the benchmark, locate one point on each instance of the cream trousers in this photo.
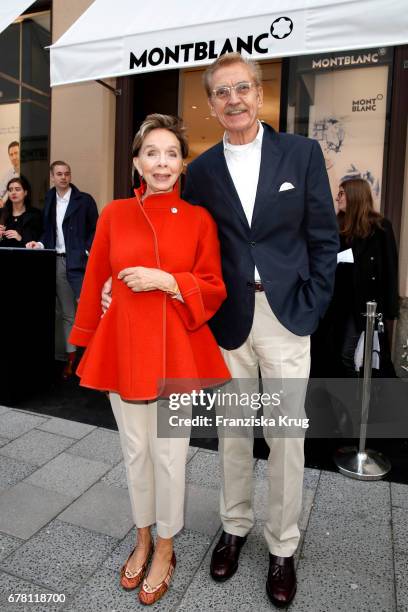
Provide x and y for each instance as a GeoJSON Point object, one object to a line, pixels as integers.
{"type": "Point", "coordinates": [155, 467]}
{"type": "Point", "coordinates": [279, 354]}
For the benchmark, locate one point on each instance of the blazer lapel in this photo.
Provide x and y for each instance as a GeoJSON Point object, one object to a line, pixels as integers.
{"type": "Point", "coordinates": [73, 204]}
{"type": "Point", "coordinates": [50, 220]}
{"type": "Point", "coordinates": [270, 159]}
{"type": "Point", "coordinates": [225, 185]}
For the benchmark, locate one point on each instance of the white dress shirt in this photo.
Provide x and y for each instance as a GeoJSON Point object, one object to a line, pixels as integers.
{"type": "Point", "coordinates": [244, 162]}
{"type": "Point", "coordinates": [62, 205]}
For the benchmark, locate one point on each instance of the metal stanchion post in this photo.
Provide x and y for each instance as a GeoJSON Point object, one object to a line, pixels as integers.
{"type": "Point", "coordinates": [364, 464]}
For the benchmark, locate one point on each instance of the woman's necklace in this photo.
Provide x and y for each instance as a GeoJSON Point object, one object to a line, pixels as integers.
{"type": "Point", "coordinates": [17, 214]}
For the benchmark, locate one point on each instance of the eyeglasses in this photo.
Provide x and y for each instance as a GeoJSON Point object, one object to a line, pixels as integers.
{"type": "Point", "coordinates": [223, 92]}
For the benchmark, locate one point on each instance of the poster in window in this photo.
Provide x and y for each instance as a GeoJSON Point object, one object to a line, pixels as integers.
{"type": "Point", "coordinates": [348, 118]}
{"type": "Point", "coordinates": [9, 145]}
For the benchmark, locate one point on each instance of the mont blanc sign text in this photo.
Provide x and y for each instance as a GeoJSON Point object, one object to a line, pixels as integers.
{"type": "Point", "coordinates": [196, 51]}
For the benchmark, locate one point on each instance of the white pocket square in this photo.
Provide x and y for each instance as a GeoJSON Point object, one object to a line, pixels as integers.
{"type": "Point", "coordinates": [286, 187]}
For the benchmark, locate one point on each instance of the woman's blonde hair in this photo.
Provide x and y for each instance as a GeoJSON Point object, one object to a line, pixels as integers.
{"type": "Point", "coordinates": [164, 122]}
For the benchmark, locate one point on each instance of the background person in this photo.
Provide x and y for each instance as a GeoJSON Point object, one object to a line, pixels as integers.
{"type": "Point", "coordinates": [371, 275]}
{"type": "Point", "coordinates": [163, 257]}
{"type": "Point", "coordinates": [19, 221]}
{"type": "Point", "coordinates": [70, 217]}
{"type": "Point", "coordinates": [14, 156]}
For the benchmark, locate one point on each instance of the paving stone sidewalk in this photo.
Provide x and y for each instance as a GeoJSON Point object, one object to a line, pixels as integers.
{"type": "Point", "coordinates": [66, 528]}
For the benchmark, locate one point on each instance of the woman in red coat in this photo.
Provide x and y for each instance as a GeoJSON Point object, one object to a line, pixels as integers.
{"type": "Point", "coordinates": [163, 257]}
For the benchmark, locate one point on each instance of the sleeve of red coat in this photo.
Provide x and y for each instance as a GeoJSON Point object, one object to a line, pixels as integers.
{"type": "Point", "coordinates": [98, 270]}
{"type": "Point", "coordinates": [202, 289]}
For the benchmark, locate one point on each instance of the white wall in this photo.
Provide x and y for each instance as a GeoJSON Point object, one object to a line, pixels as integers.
{"type": "Point", "coordinates": [83, 120]}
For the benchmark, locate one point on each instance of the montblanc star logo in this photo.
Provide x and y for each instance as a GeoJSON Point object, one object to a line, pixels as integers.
{"type": "Point", "coordinates": [282, 27]}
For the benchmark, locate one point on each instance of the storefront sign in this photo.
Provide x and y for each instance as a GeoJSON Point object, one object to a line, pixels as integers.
{"type": "Point", "coordinates": [127, 37]}
{"type": "Point", "coordinates": [346, 60]}
{"type": "Point", "coordinates": [186, 53]}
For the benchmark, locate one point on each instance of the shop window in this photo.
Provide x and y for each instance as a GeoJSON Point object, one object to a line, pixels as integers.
{"type": "Point", "coordinates": [35, 55]}
{"type": "Point", "coordinates": [203, 130]}
{"type": "Point", "coordinates": [25, 99]}
{"type": "Point", "coordinates": [9, 94]}
{"type": "Point", "coordinates": [10, 51]}
{"type": "Point", "coordinates": [342, 100]}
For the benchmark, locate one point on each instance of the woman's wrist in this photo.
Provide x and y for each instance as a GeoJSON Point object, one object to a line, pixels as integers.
{"type": "Point", "coordinates": [171, 285]}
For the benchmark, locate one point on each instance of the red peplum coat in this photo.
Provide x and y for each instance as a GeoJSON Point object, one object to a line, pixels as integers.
{"type": "Point", "coordinates": [146, 338]}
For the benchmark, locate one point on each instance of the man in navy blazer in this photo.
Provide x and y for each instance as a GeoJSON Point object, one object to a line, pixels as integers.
{"type": "Point", "coordinates": [70, 218]}
{"type": "Point", "coordinates": [269, 195]}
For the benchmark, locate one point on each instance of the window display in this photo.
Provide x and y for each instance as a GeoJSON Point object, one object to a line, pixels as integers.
{"type": "Point", "coordinates": [341, 100]}
{"type": "Point", "coordinates": [25, 103]}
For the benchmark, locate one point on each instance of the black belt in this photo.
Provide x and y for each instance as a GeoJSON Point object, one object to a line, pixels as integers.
{"type": "Point", "coordinates": [61, 255]}
{"type": "Point", "coordinates": [256, 285]}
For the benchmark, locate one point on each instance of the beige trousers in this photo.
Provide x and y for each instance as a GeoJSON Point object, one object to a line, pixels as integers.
{"type": "Point", "coordinates": [155, 467]}
{"type": "Point", "coordinates": [279, 354]}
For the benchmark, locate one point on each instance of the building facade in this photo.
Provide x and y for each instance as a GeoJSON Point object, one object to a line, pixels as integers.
{"type": "Point", "coordinates": [353, 102]}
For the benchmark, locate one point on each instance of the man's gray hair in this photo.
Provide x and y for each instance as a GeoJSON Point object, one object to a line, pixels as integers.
{"type": "Point", "coordinates": [226, 60]}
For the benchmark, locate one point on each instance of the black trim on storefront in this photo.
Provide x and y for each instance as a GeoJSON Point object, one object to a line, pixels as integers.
{"type": "Point", "coordinates": [38, 7]}
{"type": "Point", "coordinates": [124, 137]}
{"type": "Point", "coordinates": [142, 94]}
{"type": "Point", "coordinates": [397, 141]}
{"type": "Point", "coordinates": [284, 94]}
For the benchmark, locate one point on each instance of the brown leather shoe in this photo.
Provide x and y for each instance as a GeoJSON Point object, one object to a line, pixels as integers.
{"type": "Point", "coordinates": [131, 580]}
{"type": "Point", "coordinates": [148, 595]}
{"type": "Point", "coordinates": [224, 560]}
{"type": "Point", "coordinates": [281, 582]}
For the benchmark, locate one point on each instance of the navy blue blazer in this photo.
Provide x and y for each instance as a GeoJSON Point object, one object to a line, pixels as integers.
{"type": "Point", "coordinates": [293, 238]}
{"type": "Point", "coordinates": [78, 228]}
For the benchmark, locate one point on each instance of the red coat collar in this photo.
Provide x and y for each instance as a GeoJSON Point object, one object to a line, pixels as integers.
{"type": "Point", "coordinates": [157, 200]}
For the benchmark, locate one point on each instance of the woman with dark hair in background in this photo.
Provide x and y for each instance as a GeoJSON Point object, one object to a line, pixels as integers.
{"type": "Point", "coordinates": [19, 221]}
{"type": "Point", "coordinates": [367, 271]}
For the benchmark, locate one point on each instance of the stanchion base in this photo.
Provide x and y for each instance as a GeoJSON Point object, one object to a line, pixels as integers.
{"type": "Point", "coordinates": [367, 465]}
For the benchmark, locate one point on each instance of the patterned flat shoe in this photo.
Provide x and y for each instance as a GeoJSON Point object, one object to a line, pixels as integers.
{"type": "Point", "coordinates": [149, 595]}
{"type": "Point", "coordinates": [131, 580]}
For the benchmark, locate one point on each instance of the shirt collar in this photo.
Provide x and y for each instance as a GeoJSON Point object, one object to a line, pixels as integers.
{"type": "Point", "coordinates": [256, 142]}
{"type": "Point", "coordinates": [66, 196]}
